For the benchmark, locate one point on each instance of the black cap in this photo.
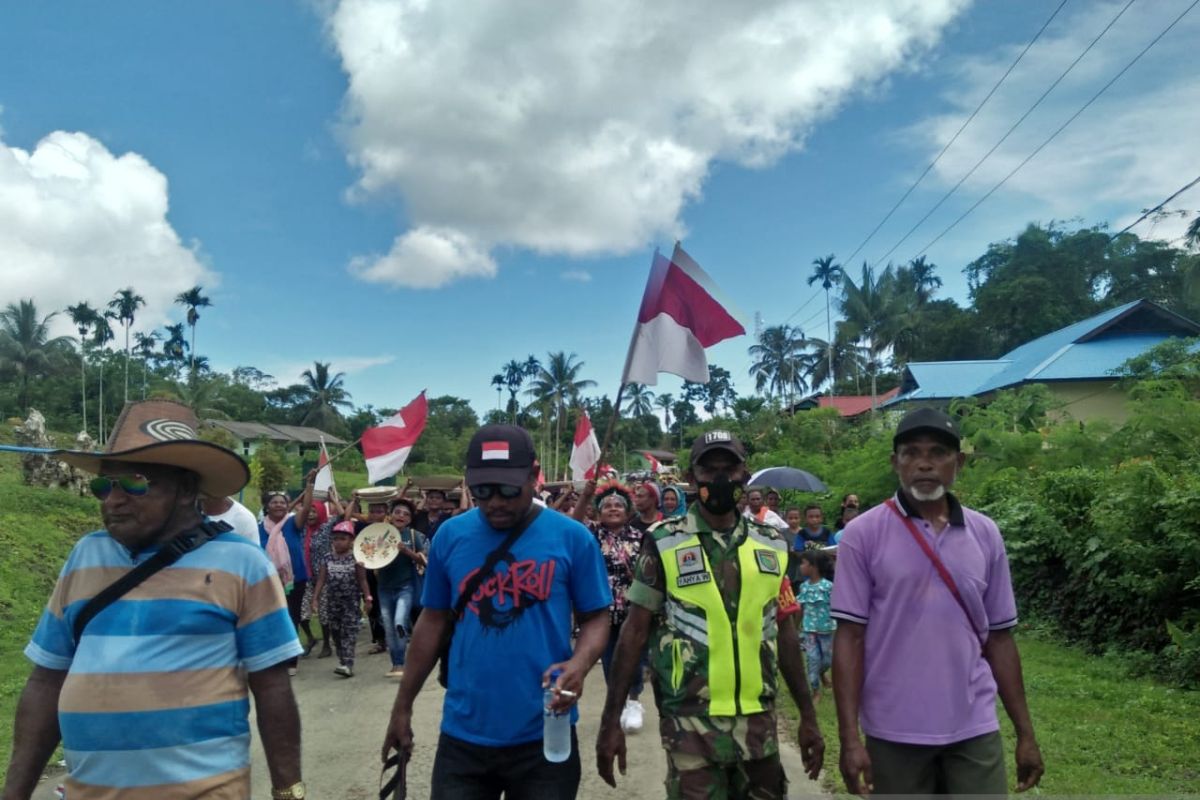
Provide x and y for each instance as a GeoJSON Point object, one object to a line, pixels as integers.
{"type": "Point", "coordinates": [927, 420]}
{"type": "Point", "coordinates": [501, 454]}
{"type": "Point", "coordinates": [717, 440]}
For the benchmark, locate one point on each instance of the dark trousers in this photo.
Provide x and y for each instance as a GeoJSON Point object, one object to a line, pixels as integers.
{"type": "Point", "coordinates": [295, 602]}
{"type": "Point", "coordinates": [373, 617]}
{"type": "Point", "coordinates": [973, 766]}
{"type": "Point", "coordinates": [465, 771]}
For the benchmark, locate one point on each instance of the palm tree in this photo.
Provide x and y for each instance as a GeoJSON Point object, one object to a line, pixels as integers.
{"type": "Point", "coordinates": [325, 395]}
{"type": "Point", "coordinates": [498, 382]}
{"type": "Point", "coordinates": [175, 347]}
{"type": "Point", "coordinates": [202, 395]}
{"type": "Point", "coordinates": [828, 273]}
{"type": "Point", "coordinates": [100, 337]}
{"type": "Point", "coordinates": [924, 281]}
{"type": "Point", "coordinates": [557, 384]}
{"type": "Point", "coordinates": [26, 349]}
{"type": "Point", "coordinates": [84, 317]}
{"type": "Point", "coordinates": [778, 358]}
{"type": "Point", "coordinates": [193, 299]}
{"type": "Point", "coordinates": [844, 354]}
{"type": "Point", "coordinates": [514, 374]}
{"type": "Point", "coordinates": [125, 304]}
{"type": "Point", "coordinates": [665, 401]}
{"type": "Point", "coordinates": [876, 313]}
{"type": "Point", "coordinates": [639, 399]}
{"type": "Point", "coordinates": [145, 345]}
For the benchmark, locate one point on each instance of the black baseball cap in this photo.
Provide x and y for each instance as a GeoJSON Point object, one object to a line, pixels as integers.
{"type": "Point", "coordinates": [931, 421]}
{"type": "Point", "coordinates": [502, 454]}
{"type": "Point", "coordinates": [717, 440]}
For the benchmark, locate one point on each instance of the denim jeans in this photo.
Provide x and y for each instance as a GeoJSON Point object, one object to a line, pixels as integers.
{"type": "Point", "coordinates": [395, 607]}
{"type": "Point", "coordinates": [818, 657]}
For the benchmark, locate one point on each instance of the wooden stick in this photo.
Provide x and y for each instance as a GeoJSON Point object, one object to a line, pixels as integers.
{"type": "Point", "coordinates": [612, 426]}
{"type": "Point", "coordinates": [344, 450]}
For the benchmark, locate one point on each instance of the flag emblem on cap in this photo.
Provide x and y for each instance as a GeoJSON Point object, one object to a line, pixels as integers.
{"type": "Point", "coordinates": [494, 451]}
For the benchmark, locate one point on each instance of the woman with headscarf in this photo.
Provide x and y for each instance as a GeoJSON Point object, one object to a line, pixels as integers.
{"type": "Point", "coordinates": [674, 502]}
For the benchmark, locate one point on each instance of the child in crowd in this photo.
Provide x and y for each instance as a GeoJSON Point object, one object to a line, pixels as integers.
{"type": "Point", "coordinates": [343, 583]}
{"type": "Point", "coordinates": [813, 594]}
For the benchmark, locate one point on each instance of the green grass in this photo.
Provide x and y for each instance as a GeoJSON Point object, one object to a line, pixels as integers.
{"type": "Point", "coordinates": [1101, 730]}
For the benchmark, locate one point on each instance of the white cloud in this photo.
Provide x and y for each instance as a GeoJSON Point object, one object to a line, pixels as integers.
{"type": "Point", "coordinates": [78, 223]}
{"type": "Point", "coordinates": [583, 128]}
{"type": "Point", "coordinates": [578, 275]}
{"type": "Point", "coordinates": [1125, 153]}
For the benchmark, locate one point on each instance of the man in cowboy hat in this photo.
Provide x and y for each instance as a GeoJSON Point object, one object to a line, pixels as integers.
{"type": "Point", "coordinates": [149, 693]}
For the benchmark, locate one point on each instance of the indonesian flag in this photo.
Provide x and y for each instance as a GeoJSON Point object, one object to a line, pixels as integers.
{"type": "Point", "coordinates": [585, 452]}
{"type": "Point", "coordinates": [655, 465]}
{"type": "Point", "coordinates": [324, 479]}
{"type": "Point", "coordinates": [386, 448]}
{"type": "Point", "coordinates": [680, 316]}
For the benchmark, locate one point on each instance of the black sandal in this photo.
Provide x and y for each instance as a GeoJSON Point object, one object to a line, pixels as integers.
{"type": "Point", "coordinates": [394, 787]}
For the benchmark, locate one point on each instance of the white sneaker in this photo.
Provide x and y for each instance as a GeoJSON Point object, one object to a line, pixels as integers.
{"type": "Point", "coordinates": [631, 716]}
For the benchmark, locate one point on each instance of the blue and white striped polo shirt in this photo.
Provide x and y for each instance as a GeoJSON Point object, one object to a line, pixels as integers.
{"type": "Point", "coordinates": [155, 702]}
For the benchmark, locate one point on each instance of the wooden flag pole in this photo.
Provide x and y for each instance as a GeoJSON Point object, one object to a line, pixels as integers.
{"type": "Point", "coordinates": [612, 426]}
{"type": "Point", "coordinates": [344, 450]}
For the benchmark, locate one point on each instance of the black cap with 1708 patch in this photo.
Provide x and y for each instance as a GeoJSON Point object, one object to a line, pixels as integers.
{"type": "Point", "coordinates": [717, 440]}
{"type": "Point", "coordinates": [931, 421]}
{"type": "Point", "coordinates": [500, 454]}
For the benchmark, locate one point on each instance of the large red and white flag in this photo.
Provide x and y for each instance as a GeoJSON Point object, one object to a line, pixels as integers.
{"type": "Point", "coordinates": [682, 313]}
{"type": "Point", "coordinates": [585, 452]}
{"type": "Point", "coordinates": [386, 448]}
{"type": "Point", "coordinates": [324, 479]}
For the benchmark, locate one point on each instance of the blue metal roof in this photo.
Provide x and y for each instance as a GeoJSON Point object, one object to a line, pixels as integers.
{"type": "Point", "coordinates": [1089, 349]}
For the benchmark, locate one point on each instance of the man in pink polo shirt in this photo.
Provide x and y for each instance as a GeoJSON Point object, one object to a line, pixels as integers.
{"type": "Point", "coordinates": [925, 614]}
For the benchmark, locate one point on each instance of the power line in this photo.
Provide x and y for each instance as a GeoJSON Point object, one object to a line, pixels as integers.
{"type": "Point", "coordinates": [1007, 133]}
{"type": "Point", "coordinates": [1158, 207]}
{"type": "Point", "coordinates": [803, 306]}
{"type": "Point", "coordinates": [1060, 129]}
{"type": "Point", "coordinates": [957, 133]}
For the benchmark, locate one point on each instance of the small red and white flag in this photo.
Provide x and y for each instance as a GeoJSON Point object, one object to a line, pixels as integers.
{"type": "Point", "coordinates": [386, 448]}
{"type": "Point", "coordinates": [682, 313]}
{"type": "Point", "coordinates": [324, 480]}
{"type": "Point", "coordinates": [585, 451]}
{"type": "Point", "coordinates": [495, 451]}
{"type": "Point", "coordinates": [655, 464]}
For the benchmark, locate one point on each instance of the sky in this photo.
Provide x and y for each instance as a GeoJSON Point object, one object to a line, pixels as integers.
{"type": "Point", "coordinates": [419, 192]}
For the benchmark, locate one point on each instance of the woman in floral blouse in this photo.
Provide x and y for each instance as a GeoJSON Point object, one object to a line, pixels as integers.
{"type": "Point", "coordinates": [620, 543]}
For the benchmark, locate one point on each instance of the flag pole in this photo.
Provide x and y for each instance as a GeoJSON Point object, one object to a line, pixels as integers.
{"type": "Point", "coordinates": [612, 426]}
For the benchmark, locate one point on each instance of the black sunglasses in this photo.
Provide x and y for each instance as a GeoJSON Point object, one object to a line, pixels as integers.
{"type": "Point", "coordinates": [485, 491]}
{"type": "Point", "coordinates": [133, 485]}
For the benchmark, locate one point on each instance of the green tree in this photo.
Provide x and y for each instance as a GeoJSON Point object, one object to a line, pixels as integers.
{"type": "Point", "coordinates": [26, 348]}
{"type": "Point", "coordinates": [146, 346]}
{"type": "Point", "coordinates": [779, 361]}
{"type": "Point", "coordinates": [124, 306]}
{"type": "Point", "coordinates": [193, 299]}
{"type": "Point", "coordinates": [514, 374]}
{"type": "Point", "coordinates": [84, 317]}
{"type": "Point", "coordinates": [498, 382]}
{"type": "Point", "coordinates": [639, 399]}
{"type": "Point", "coordinates": [558, 384]}
{"type": "Point", "coordinates": [324, 395]}
{"type": "Point", "coordinates": [666, 402]}
{"type": "Point", "coordinates": [175, 347]}
{"type": "Point", "coordinates": [101, 336]}
{"type": "Point", "coordinates": [829, 274]}
{"type": "Point", "coordinates": [718, 393]}
{"type": "Point", "coordinates": [875, 314]}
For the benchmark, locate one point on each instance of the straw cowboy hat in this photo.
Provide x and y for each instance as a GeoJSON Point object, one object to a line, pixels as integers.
{"type": "Point", "coordinates": [164, 432]}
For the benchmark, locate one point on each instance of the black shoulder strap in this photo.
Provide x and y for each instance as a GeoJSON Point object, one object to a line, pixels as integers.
{"type": "Point", "coordinates": [167, 555]}
{"type": "Point", "coordinates": [492, 559]}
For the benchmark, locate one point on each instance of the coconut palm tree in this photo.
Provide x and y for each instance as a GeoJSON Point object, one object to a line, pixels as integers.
{"type": "Point", "coordinates": [665, 401]}
{"type": "Point", "coordinates": [125, 304]}
{"type": "Point", "coordinates": [846, 357]}
{"type": "Point", "coordinates": [324, 395]}
{"type": "Point", "coordinates": [558, 384]}
{"type": "Point", "coordinates": [875, 312]}
{"type": "Point", "coordinates": [779, 358]}
{"type": "Point", "coordinates": [828, 273]}
{"type": "Point", "coordinates": [639, 400]}
{"type": "Point", "coordinates": [193, 299]}
{"type": "Point", "coordinates": [145, 346]}
{"type": "Point", "coordinates": [102, 335]}
{"type": "Point", "coordinates": [26, 347]}
{"type": "Point", "coordinates": [84, 317]}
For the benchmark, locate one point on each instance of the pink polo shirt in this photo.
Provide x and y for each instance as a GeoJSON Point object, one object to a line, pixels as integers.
{"type": "Point", "coordinates": [925, 679]}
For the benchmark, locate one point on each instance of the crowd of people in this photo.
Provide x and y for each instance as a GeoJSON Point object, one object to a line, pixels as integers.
{"type": "Point", "coordinates": [714, 591]}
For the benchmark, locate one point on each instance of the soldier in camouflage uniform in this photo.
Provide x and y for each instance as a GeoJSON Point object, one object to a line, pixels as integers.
{"type": "Point", "coordinates": [711, 598]}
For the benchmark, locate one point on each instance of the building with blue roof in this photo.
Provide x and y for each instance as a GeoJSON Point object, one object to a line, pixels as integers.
{"type": "Point", "coordinates": [1078, 363]}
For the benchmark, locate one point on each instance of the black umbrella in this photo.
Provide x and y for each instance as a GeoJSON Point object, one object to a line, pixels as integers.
{"type": "Point", "coordinates": [787, 478]}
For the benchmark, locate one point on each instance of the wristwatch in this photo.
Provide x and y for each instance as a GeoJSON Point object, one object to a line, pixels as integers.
{"type": "Point", "coordinates": [293, 792]}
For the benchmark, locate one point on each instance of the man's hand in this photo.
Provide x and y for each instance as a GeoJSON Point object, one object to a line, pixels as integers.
{"type": "Point", "coordinates": [610, 743]}
{"type": "Point", "coordinates": [1029, 763]}
{"type": "Point", "coordinates": [856, 769]}
{"type": "Point", "coordinates": [569, 687]}
{"type": "Point", "coordinates": [812, 747]}
{"type": "Point", "coordinates": [399, 736]}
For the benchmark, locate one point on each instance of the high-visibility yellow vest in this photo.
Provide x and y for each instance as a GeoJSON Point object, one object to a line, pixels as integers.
{"type": "Point", "coordinates": [707, 663]}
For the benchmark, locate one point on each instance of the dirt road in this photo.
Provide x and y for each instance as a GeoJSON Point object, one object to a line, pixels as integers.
{"type": "Point", "coordinates": [344, 721]}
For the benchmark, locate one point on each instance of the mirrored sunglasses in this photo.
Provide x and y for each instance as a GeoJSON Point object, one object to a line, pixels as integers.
{"type": "Point", "coordinates": [485, 491]}
{"type": "Point", "coordinates": [133, 485]}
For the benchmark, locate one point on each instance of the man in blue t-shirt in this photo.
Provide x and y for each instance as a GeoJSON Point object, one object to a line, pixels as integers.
{"type": "Point", "coordinates": [515, 631]}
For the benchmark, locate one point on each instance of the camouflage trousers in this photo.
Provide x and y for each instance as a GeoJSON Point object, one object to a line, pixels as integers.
{"type": "Point", "coordinates": [723, 758]}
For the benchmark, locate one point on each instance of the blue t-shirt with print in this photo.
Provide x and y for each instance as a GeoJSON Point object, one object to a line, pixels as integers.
{"type": "Point", "coordinates": [517, 624]}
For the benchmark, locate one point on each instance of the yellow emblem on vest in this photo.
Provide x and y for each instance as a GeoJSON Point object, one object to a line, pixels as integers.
{"type": "Point", "coordinates": [768, 561]}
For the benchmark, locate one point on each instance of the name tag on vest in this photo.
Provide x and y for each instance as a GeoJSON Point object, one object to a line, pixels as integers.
{"type": "Point", "coordinates": [693, 579]}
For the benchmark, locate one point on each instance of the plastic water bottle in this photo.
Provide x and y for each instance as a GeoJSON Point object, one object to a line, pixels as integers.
{"type": "Point", "coordinates": [556, 726]}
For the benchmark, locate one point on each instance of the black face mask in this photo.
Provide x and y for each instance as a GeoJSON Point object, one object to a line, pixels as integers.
{"type": "Point", "coordinates": [719, 496]}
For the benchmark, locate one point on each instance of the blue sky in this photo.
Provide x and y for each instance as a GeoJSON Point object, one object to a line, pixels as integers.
{"type": "Point", "coordinates": [421, 192]}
